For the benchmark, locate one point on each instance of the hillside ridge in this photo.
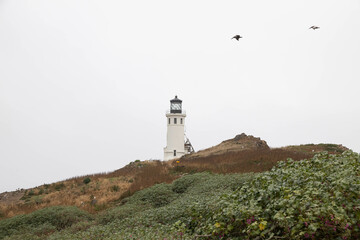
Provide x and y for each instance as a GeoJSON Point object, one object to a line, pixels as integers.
{"type": "Point", "coordinates": [241, 154]}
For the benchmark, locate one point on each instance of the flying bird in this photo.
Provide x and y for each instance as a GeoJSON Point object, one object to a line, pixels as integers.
{"type": "Point", "coordinates": [237, 37]}
{"type": "Point", "coordinates": [314, 27]}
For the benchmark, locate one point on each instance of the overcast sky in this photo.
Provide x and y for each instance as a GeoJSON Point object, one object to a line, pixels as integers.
{"type": "Point", "coordinates": [84, 85]}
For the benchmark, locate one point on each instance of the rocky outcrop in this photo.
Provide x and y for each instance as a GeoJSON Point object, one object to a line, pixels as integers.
{"type": "Point", "coordinates": [240, 142]}
{"type": "Point", "coordinates": [246, 142]}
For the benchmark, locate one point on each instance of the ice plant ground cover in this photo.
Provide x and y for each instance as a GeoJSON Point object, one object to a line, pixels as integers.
{"type": "Point", "coordinates": [318, 198]}
{"type": "Point", "coordinates": [314, 198]}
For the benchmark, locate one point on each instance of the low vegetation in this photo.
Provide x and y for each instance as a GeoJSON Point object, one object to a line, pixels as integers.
{"type": "Point", "coordinates": [108, 188]}
{"type": "Point", "coordinates": [240, 162]}
{"type": "Point", "coordinates": [148, 214]}
{"type": "Point", "coordinates": [97, 192]}
{"type": "Point", "coordinates": [317, 198]}
{"type": "Point", "coordinates": [42, 222]}
{"type": "Point", "coordinates": [314, 198]}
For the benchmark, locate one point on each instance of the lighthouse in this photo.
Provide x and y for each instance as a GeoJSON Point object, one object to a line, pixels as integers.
{"type": "Point", "coordinates": [176, 145]}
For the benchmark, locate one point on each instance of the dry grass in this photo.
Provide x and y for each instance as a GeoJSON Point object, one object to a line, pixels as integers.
{"type": "Point", "coordinates": [104, 189]}
{"type": "Point", "coordinates": [331, 148]}
{"type": "Point", "coordinates": [157, 172]}
{"type": "Point", "coordinates": [239, 162]}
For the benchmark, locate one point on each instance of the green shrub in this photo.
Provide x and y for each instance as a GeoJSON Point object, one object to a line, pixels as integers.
{"type": "Point", "coordinates": [83, 189]}
{"type": "Point", "coordinates": [25, 197]}
{"type": "Point", "coordinates": [331, 147]}
{"type": "Point", "coordinates": [181, 185]}
{"type": "Point", "coordinates": [31, 193]}
{"type": "Point", "coordinates": [81, 226]}
{"type": "Point", "coordinates": [202, 194]}
{"type": "Point", "coordinates": [119, 213]}
{"type": "Point", "coordinates": [87, 180]}
{"type": "Point", "coordinates": [43, 229]}
{"type": "Point", "coordinates": [44, 220]}
{"type": "Point", "coordinates": [157, 195]}
{"type": "Point", "coordinates": [59, 186]}
{"type": "Point", "coordinates": [24, 236]}
{"type": "Point", "coordinates": [114, 188]}
{"type": "Point", "coordinates": [38, 199]}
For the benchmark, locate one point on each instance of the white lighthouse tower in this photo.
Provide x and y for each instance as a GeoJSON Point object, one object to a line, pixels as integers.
{"type": "Point", "coordinates": [175, 140]}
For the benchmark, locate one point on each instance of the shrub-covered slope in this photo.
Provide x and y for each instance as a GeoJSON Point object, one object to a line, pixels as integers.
{"type": "Point", "coordinates": [316, 198]}
{"type": "Point", "coordinates": [42, 222]}
{"type": "Point", "coordinates": [310, 199]}
{"type": "Point", "coordinates": [149, 214]}
{"type": "Point", "coordinates": [94, 193]}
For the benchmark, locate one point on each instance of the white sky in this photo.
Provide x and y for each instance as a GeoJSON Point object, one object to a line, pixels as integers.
{"type": "Point", "coordinates": [84, 85]}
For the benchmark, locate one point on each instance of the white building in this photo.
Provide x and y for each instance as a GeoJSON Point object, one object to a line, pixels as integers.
{"type": "Point", "coordinates": [176, 146]}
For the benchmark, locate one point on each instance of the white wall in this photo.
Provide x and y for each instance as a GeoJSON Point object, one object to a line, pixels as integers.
{"type": "Point", "coordinates": [175, 136]}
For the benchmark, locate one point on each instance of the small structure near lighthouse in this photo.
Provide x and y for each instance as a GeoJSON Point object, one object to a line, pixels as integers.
{"type": "Point", "coordinates": [177, 144]}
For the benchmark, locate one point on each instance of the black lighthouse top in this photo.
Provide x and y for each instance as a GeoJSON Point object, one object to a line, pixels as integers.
{"type": "Point", "coordinates": [175, 105]}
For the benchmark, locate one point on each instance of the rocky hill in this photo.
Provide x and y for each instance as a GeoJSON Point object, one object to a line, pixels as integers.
{"type": "Point", "coordinates": [239, 143]}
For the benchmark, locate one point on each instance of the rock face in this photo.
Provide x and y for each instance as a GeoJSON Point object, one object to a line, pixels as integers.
{"type": "Point", "coordinates": [247, 142]}
{"type": "Point", "coordinates": [11, 197]}
{"type": "Point", "coordinates": [240, 142]}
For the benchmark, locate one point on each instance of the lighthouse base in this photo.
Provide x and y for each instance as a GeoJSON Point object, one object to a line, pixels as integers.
{"type": "Point", "coordinates": [173, 153]}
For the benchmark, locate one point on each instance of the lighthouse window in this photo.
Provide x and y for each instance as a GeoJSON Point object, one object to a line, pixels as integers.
{"type": "Point", "coordinates": [175, 120]}
{"type": "Point", "coordinates": [181, 121]}
{"type": "Point", "coordinates": [174, 153]}
{"type": "Point", "coordinates": [169, 120]}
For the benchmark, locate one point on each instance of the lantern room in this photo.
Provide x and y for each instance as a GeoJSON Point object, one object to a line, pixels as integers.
{"type": "Point", "coordinates": [175, 105]}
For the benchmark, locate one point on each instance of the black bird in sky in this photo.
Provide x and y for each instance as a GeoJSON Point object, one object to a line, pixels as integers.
{"type": "Point", "coordinates": [314, 27]}
{"type": "Point", "coordinates": [237, 37]}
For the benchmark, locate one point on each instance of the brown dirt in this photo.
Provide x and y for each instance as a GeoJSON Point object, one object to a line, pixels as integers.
{"type": "Point", "coordinates": [11, 197]}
